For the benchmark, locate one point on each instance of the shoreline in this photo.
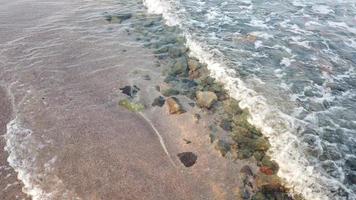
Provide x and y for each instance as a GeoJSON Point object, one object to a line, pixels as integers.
{"type": "Point", "coordinates": [10, 186]}
{"type": "Point", "coordinates": [231, 144]}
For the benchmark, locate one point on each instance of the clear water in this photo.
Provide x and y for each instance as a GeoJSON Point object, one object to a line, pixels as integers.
{"type": "Point", "coordinates": [292, 63]}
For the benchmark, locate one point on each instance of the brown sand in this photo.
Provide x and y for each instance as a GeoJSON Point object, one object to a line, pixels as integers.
{"type": "Point", "coordinates": [65, 78]}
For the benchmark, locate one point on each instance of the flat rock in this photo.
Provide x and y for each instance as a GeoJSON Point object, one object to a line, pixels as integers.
{"type": "Point", "coordinates": [206, 99]}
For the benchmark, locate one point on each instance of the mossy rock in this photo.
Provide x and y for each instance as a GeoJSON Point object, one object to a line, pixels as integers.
{"type": "Point", "coordinates": [258, 155]}
{"type": "Point", "coordinates": [267, 163]}
{"type": "Point", "coordinates": [226, 124]}
{"type": "Point", "coordinates": [170, 92]}
{"type": "Point", "coordinates": [244, 153]}
{"type": "Point", "coordinates": [176, 51]}
{"type": "Point", "coordinates": [131, 106]}
{"type": "Point", "coordinates": [223, 147]}
{"type": "Point", "coordinates": [262, 144]}
{"type": "Point", "coordinates": [180, 67]}
{"type": "Point", "coordinates": [231, 106]}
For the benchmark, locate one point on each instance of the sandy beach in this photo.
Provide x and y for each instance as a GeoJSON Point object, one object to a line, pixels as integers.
{"type": "Point", "coordinates": [69, 138]}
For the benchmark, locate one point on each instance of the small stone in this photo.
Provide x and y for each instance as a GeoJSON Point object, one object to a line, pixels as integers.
{"type": "Point", "coordinates": [206, 99]}
{"type": "Point", "coordinates": [159, 101]}
{"type": "Point", "coordinates": [223, 147]}
{"type": "Point", "coordinates": [146, 77]}
{"type": "Point", "coordinates": [266, 170]}
{"type": "Point", "coordinates": [174, 106]}
{"type": "Point", "coordinates": [130, 91]}
{"type": "Point", "coordinates": [196, 117]}
{"type": "Point", "coordinates": [187, 158]}
{"type": "Point", "coordinates": [187, 141]}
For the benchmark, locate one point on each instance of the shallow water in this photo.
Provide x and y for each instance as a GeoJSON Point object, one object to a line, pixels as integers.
{"type": "Point", "coordinates": [63, 65]}
{"type": "Point", "coordinates": [292, 63]}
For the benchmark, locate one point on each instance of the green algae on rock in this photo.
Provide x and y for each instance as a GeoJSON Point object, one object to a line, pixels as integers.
{"type": "Point", "coordinates": [131, 106]}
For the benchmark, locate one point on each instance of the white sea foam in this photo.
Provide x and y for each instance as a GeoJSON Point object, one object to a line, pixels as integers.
{"type": "Point", "coordinates": [277, 126]}
{"type": "Point", "coordinates": [322, 9]}
{"type": "Point", "coordinates": [23, 154]}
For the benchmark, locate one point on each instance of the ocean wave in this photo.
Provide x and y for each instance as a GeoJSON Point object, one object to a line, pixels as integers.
{"type": "Point", "coordinates": [287, 134]}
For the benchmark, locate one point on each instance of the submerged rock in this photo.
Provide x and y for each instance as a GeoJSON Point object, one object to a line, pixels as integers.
{"type": "Point", "coordinates": [223, 147]}
{"type": "Point", "coordinates": [134, 107]}
{"type": "Point", "coordinates": [226, 125]}
{"type": "Point", "coordinates": [187, 158]}
{"type": "Point", "coordinates": [176, 52]}
{"type": "Point", "coordinates": [180, 67]}
{"type": "Point", "coordinates": [130, 91]}
{"type": "Point", "coordinates": [174, 106]}
{"type": "Point", "coordinates": [117, 18]}
{"type": "Point", "coordinates": [169, 92]}
{"type": "Point", "coordinates": [206, 99]}
{"type": "Point", "coordinates": [159, 101]}
{"type": "Point", "coordinates": [351, 163]}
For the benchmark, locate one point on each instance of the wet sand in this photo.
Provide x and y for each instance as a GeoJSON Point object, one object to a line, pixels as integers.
{"type": "Point", "coordinates": [72, 139]}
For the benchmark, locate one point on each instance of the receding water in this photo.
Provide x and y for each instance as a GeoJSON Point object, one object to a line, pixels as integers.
{"type": "Point", "coordinates": [292, 63]}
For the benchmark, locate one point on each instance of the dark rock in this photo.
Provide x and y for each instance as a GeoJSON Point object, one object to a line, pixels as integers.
{"type": "Point", "coordinates": [117, 18]}
{"type": "Point", "coordinates": [196, 117]}
{"type": "Point", "coordinates": [226, 125]}
{"type": "Point", "coordinates": [187, 141]}
{"type": "Point", "coordinates": [159, 101]}
{"type": "Point", "coordinates": [351, 178]}
{"type": "Point", "coordinates": [180, 67]}
{"type": "Point", "coordinates": [246, 194]}
{"type": "Point", "coordinates": [174, 106]}
{"type": "Point", "coordinates": [146, 77]}
{"type": "Point", "coordinates": [192, 104]}
{"type": "Point", "coordinates": [351, 163]}
{"type": "Point", "coordinates": [130, 91]}
{"type": "Point", "coordinates": [187, 158]}
{"type": "Point", "coordinates": [246, 171]}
